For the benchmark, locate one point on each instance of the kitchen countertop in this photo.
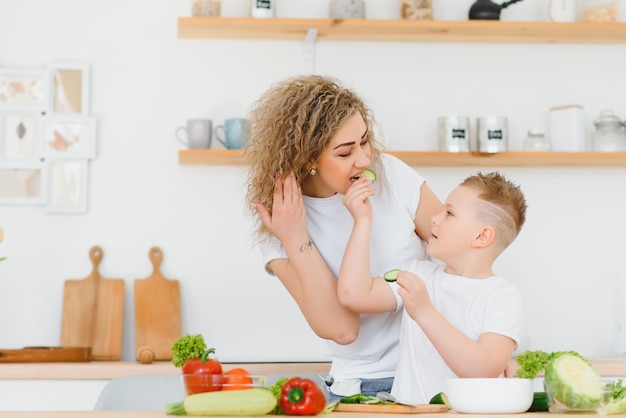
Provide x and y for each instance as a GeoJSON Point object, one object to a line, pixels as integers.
{"type": "Point", "coordinates": [158, 414]}
{"type": "Point", "coordinates": [106, 370]}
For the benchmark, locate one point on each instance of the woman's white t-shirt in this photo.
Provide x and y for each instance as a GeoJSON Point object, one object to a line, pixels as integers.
{"type": "Point", "coordinates": [394, 243]}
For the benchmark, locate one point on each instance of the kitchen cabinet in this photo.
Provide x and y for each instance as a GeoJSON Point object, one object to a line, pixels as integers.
{"type": "Point", "coordinates": [443, 158]}
{"type": "Point", "coordinates": [310, 30]}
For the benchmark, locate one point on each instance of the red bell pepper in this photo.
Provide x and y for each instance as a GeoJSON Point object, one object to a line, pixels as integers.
{"type": "Point", "coordinates": [301, 396]}
{"type": "Point", "coordinates": [203, 374]}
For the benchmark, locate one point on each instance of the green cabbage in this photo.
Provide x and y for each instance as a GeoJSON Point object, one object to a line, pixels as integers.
{"type": "Point", "coordinates": [572, 380]}
{"type": "Point", "coordinates": [617, 404]}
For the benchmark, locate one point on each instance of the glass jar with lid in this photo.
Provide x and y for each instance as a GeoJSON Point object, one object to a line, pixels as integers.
{"type": "Point", "coordinates": [600, 11]}
{"type": "Point", "coordinates": [610, 135]}
{"type": "Point", "coordinates": [417, 9]}
{"type": "Point", "coordinates": [536, 141]}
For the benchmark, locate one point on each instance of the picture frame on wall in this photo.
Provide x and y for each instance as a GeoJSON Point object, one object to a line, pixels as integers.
{"type": "Point", "coordinates": [68, 137]}
{"type": "Point", "coordinates": [19, 135]}
{"type": "Point", "coordinates": [69, 88]}
{"type": "Point", "coordinates": [23, 183]}
{"type": "Point", "coordinates": [67, 186]}
{"type": "Point", "coordinates": [24, 89]}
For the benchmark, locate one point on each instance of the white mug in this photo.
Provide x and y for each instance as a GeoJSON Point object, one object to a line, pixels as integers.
{"type": "Point", "coordinates": [198, 133]}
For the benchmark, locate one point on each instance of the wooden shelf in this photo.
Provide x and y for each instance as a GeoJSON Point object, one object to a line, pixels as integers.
{"type": "Point", "coordinates": [403, 30]}
{"type": "Point", "coordinates": [211, 157]}
{"type": "Point", "coordinates": [444, 159]}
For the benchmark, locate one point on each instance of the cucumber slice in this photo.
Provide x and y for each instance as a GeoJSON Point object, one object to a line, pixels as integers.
{"type": "Point", "coordinates": [391, 275]}
{"type": "Point", "coordinates": [369, 174]}
{"type": "Point", "coordinates": [440, 399]}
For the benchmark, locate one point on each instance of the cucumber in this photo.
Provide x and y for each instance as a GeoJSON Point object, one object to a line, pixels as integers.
{"type": "Point", "coordinates": [440, 399]}
{"type": "Point", "coordinates": [243, 402]}
{"type": "Point", "coordinates": [369, 174]}
{"type": "Point", "coordinates": [391, 275]}
{"type": "Point", "coordinates": [361, 398]}
{"type": "Point", "coordinates": [540, 402]}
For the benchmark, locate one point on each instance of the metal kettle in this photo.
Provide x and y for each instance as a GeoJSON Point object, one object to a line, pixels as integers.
{"type": "Point", "coordinates": [487, 9]}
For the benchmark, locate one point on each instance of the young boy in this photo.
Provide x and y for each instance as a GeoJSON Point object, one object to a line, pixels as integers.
{"type": "Point", "coordinates": [459, 319]}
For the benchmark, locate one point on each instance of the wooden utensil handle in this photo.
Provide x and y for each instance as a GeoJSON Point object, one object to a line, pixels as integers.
{"type": "Point", "coordinates": [156, 256]}
{"type": "Point", "coordinates": [95, 253]}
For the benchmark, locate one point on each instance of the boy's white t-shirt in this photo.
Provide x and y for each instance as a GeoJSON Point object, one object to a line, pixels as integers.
{"type": "Point", "coordinates": [473, 306]}
{"type": "Point", "coordinates": [394, 243]}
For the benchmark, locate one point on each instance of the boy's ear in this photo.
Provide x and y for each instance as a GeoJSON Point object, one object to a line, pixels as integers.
{"type": "Point", "coordinates": [485, 237]}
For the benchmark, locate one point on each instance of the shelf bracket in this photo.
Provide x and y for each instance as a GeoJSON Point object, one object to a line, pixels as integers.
{"type": "Point", "coordinates": [309, 50]}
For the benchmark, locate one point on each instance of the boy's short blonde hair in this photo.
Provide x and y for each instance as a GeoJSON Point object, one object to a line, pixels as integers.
{"type": "Point", "coordinates": [505, 207]}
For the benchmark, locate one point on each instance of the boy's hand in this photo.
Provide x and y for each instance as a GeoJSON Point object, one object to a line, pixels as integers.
{"type": "Point", "coordinates": [356, 198]}
{"type": "Point", "coordinates": [414, 294]}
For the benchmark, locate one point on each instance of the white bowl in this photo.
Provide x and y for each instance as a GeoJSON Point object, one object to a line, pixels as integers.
{"type": "Point", "coordinates": [490, 395]}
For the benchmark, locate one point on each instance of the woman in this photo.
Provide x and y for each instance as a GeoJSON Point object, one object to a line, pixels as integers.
{"type": "Point", "coordinates": [309, 139]}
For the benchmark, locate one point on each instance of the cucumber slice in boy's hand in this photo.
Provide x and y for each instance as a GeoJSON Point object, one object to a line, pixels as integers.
{"type": "Point", "coordinates": [391, 275]}
{"type": "Point", "coordinates": [369, 174]}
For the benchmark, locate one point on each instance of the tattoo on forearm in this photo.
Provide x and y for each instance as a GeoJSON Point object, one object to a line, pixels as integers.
{"type": "Point", "coordinates": [307, 246]}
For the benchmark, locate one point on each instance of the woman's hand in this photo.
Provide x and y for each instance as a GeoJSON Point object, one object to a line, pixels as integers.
{"type": "Point", "coordinates": [304, 273]}
{"type": "Point", "coordinates": [288, 217]}
{"type": "Point", "coordinates": [356, 198]}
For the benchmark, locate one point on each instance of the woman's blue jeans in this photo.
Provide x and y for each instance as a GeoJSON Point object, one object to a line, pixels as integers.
{"type": "Point", "coordinates": [368, 387]}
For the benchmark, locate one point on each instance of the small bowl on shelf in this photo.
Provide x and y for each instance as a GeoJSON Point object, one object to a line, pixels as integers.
{"type": "Point", "coordinates": [200, 383]}
{"type": "Point", "coordinates": [562, 397]}
{"type": "Point", "coordinates": [490, 395]}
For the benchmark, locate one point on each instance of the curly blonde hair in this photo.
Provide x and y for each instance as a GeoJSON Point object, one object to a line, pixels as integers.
{"type": "Point", "coordinates": [290, 127]}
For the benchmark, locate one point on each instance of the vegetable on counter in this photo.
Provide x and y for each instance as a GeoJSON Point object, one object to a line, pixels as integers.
{"type": "Point", "coordinates": [236, 379]}
{"type": "Point", "coordinates": [540, 403]}
{"type": "Point", "coordinates": [203, 374]}
{"type": "Point", "coordinates": [567, 376]}
{"type": "Point", "coordinates": [301, 396]}
{"type": "Point", "coordinates": [200, 372]}
{"type": "Point", "coordinates": [363, 399]}
{"type": "Point", "coordinates": [276, 389]}
{"type": "Point", "coordinates": [573, 381]}
{"type": "Point", "coordinates": [440, 399]}
{"type": "Point", "coordinates": [187, 347]}
{"type": "Point", "coordinates": [531, 363]}
{"type": "Point", "coordinates": [246, 402]}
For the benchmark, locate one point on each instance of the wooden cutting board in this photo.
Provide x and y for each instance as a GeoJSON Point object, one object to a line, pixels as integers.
{"type": "Point", "coordinates": [46, 355]}
{"type": "Point", "coordinates": [93, 313]}
{"type": "Point", "coordinates": [390, 409]}
{"type": "Point", "coordinates": [157, 313]}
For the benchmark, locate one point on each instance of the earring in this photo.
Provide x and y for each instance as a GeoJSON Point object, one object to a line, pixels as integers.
{"type": "Point", "coordinates": [312, 171]}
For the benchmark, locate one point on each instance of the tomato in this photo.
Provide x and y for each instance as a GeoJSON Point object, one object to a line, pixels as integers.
{"type": "Point", "coordinates": [237, 379]}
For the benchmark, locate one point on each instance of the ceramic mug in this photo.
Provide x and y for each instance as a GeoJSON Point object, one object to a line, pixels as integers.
{"type": "Point", "coordinates": [197, 134]}
{"type": "Point", "coordinates": [233, 133]}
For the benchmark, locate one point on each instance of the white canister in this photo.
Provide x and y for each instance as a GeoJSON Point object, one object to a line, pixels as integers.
{"type": "Point", "coordinates": [262, 8]}
{"type": "Point", "coordinates": [346, 9]}
{"type": "Point", "coordinates": [492, 133]}
{"type": "Point", "coordinates": [567, 128]}
{"type": "Point", "coordinates": [454, 135]}
{"type": "Point", "coordinates": [562, 10]}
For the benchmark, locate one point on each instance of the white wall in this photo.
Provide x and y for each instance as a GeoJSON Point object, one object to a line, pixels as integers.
{"type": "Point", "coordinates": [145, 82]}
